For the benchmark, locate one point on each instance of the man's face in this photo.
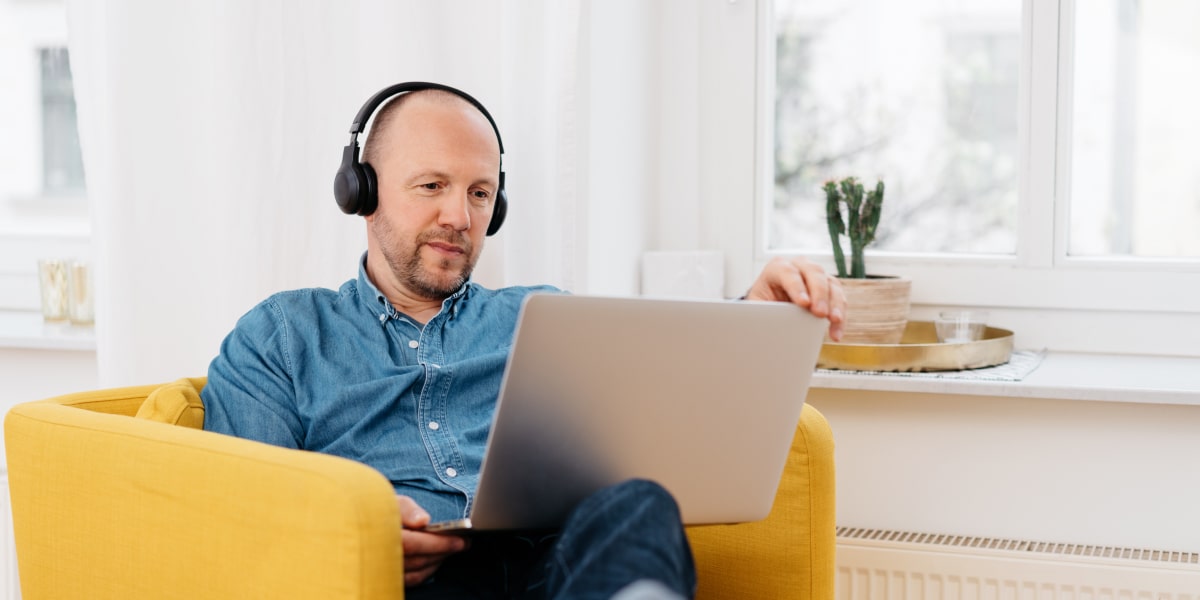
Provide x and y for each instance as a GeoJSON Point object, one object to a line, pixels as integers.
{"type": "Point", "coordinates": [438, 178]}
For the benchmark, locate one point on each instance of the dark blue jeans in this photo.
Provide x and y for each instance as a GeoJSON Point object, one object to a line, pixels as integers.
{"type": "Point", "coordinates": [624, 533]}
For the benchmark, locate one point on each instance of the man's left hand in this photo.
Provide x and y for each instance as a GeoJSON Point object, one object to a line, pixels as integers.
{"type": "Point", "coordinates": [804, 284]}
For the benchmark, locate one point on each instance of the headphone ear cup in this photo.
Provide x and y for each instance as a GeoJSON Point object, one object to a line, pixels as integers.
{"type": "Point", "coordinates": [368, 193]}
{"type": "Point", "coordinates": [499, 210]}
{"type": "Point", "coordinates": [347, 186]}
{"type": "Point", "coordinates": [354, 184]}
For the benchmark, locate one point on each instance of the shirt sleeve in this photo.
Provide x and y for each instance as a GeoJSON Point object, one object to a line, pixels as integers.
{"type": "Point", "coordinates": [249, 393]}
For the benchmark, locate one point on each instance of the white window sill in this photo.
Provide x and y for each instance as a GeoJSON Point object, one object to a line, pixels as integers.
{"type": "Point", "coordinates": [1061, 376]}
{"type": "Point", "coordinates": [26, 330]}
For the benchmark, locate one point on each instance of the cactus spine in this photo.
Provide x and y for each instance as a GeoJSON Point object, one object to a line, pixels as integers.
{"type": "Point", "coordinates": [862, 217]}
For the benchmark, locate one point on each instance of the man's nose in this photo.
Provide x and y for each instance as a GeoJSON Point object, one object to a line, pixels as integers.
{"type": "Point", "coordinates": [455, 212]}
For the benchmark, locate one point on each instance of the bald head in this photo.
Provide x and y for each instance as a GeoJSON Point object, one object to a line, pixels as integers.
{"type": "Point", "coordinates": [382, 135]}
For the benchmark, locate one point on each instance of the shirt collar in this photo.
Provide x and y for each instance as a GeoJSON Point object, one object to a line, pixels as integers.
{"type": "Point", "coordinates": [382, 308]}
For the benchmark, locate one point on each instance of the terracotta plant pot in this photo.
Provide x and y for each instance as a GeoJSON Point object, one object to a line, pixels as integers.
{"type": "Point", "coordinates": [876, 309]}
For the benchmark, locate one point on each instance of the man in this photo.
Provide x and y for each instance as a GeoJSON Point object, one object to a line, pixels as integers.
{"type": "Point", "coordinates": [401, 367]}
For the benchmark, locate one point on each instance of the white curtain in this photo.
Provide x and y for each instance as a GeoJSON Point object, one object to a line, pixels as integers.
{"type": "Point", "coordinates": [211, 130]}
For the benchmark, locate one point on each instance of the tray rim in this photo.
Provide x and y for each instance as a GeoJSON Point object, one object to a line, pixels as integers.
{"type": "Point", "coordinates": [895, 357]}
{"type": "Point", "coordinates": [1004, 333]}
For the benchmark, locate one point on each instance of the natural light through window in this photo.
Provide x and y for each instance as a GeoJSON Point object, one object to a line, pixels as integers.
{"type": "Point", "coordinates": [1135, 172]}
{"type": "Point", "coordinates": [40, 163]}
{"type": "Point", "coordinates": [62, 161]}
{"type": "Point", "coordinates": [922, 95]}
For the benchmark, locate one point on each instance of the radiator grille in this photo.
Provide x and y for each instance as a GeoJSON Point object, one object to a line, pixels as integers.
{"type": "Point", "coordinates": [1025, 546]}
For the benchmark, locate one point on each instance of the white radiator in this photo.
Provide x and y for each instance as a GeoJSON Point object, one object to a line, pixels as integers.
{"type": "Point", "coordinates": [874, 564]}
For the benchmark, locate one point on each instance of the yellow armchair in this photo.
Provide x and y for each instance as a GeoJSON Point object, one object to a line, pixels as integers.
{"type": "Point", "coordinates": [109, 506]}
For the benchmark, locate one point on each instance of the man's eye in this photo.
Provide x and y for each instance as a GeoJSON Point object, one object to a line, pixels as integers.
{"type": "Point", "coordinates": [431, 186]}
{"type": "Point", "coordinates": [482, 194]}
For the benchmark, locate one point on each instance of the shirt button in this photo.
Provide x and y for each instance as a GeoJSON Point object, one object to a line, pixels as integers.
{"type": "Point", "coordinates": [434, 425]}
{"type": "Point", "coordinates": [413, 344]}
{"type": "Point", "coordinates": [450, 472]}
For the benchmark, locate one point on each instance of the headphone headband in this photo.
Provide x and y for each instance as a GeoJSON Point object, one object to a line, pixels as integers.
{"type": "Point", "coordinates": [387, 93]}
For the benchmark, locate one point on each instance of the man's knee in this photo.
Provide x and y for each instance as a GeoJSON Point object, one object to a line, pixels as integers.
{"type": "Point", "coordinates": [641, 495]}
{"type": "Point", "coordinates": [633, 531]}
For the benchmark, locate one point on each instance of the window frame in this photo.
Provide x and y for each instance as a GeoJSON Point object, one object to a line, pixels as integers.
{"type": "Point", "coordinates": [1041, 274]}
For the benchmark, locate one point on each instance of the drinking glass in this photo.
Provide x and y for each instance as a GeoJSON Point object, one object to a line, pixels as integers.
{"type": "Point", "coordinates": [960, 326]}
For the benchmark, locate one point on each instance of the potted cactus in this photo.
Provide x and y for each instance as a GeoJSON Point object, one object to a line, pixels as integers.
{"type": "Point", "coordinates": [876, 305]}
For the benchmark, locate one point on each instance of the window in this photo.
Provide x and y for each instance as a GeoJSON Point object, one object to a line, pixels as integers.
{"type": "Point", "coordinates": [925, 96]}
{"type": "Point", "coordinates": [1135, 171]}
{"type": "Point", "coordinates": [1053, 134]}
{"type": "Point", "coordinates": [922, 95]}
{"type": "Point", "coordinates": [62, 161]}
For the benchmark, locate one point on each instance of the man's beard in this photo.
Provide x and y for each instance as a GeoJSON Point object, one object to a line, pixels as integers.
{"type": "Point", "coordinates": [405, 261]}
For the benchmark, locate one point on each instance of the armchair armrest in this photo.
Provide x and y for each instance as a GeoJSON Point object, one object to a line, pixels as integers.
{"type": "Point", "coordinates": [791, 553]}
{"type": "Point", "coordinates": [107, 506]}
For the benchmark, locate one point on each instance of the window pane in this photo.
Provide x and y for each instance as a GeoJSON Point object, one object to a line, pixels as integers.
{"type": "Point", "coordinates": [921, 94]}
{"type": "Point", "coordinates": [1135, 184]}
{"type": "Point", "coordinates": [41, 168]}
{"type": "Point", "coordinates": [62, 160]}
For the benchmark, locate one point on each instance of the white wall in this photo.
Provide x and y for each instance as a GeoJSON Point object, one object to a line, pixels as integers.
{"type": "Point", "coordinates": [1103, 473]}
{"type": "Point", "coordinates": [28, 375]}
{"type": "Point", "coordinates": [670, 147]}
{"type": "Point", "coordinates": [620, 167]}
{"type": "Point", "coordinates": [35, 374]}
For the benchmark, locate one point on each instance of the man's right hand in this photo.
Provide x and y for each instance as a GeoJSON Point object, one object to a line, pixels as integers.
{"type": "Point", "coordinates": [423, 552]}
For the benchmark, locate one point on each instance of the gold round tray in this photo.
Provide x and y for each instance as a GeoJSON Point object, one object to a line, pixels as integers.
{"type": "Point", "coordinates": [919, 350]}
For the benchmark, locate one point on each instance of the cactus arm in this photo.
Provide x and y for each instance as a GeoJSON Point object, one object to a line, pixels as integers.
{"type": "Point", "coordinates": [854, 199]}
{"type": "Point", "coordinates": [833, 217]}
{"type": "Point", "coordinates": [872, 210]}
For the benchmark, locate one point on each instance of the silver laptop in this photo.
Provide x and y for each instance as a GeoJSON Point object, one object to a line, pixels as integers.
{"type": "Point", "coordinates": [702, 397]}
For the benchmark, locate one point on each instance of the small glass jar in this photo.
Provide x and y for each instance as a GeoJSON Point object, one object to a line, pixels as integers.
{"type": "Point", "coordinates": [81, 291]}
{"type": "Point", "coordinates": [52, 280]}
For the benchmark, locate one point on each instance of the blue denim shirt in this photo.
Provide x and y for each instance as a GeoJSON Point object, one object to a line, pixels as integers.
{"type": "Point", "coordinates": [344, 373]}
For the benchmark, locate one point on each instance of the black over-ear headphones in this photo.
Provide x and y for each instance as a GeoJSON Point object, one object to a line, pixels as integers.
{"type": "Point", "coordinates": [355, 186]}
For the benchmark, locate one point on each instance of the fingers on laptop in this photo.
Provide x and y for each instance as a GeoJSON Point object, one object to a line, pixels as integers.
{"type": "Point", "coordinates": [794, 280]}
{"type": "Point", "coordinates": [828, 297]}
{"type": "Point", "coordinates": [412, 516]}
{"type": "Point", "coordinates": [780, 281]}
{"type": "Point", "coordinates": [805, 284]}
